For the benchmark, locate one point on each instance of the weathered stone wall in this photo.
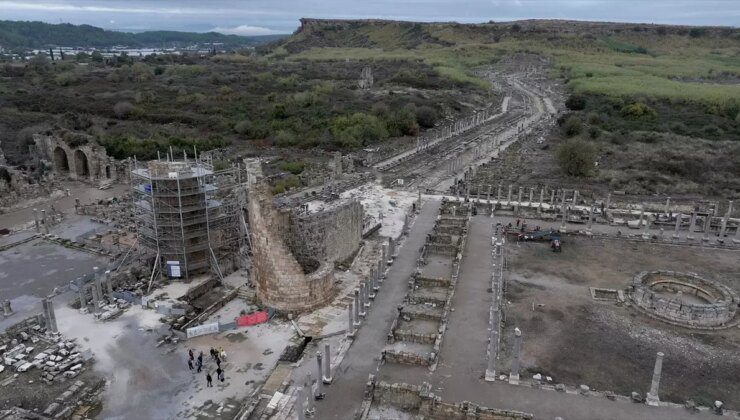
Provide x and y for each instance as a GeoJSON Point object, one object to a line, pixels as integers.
{"type": "Point", "coordinates": [281, 281]}
{"type": "Point", "coordinates": [405, 358]}
{"type": "Point", "coordinates": [720, 309]}
{"type": "Point", "coordinates": [85, 162]}
{"type": "Point", "coordinates": [422, 402]}
{"type": "Point", "coordinates": [333, 235]}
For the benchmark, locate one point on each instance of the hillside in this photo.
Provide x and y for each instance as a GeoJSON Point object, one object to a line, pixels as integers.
{"type": "Point", "coordinates": [17, 34]}
{"type": "Point", "coordinates": [699, 64]}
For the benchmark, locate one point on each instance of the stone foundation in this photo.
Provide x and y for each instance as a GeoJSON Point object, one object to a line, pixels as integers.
{"type": "Point", "coordinates": [420, 401]}
{"type": "Point", "coordinates": [719, 309]}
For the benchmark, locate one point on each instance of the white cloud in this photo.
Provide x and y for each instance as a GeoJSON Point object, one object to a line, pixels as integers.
{"type": "Point", "coordinates": [166, 10]}
{"type": "Point", "coordinates": [246, 30]}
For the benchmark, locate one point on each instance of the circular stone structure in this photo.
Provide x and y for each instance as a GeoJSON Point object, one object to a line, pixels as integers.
{"type": "Point", "coordinates": [685, 299]}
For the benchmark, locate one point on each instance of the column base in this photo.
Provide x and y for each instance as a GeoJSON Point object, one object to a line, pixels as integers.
{"type": "Point", "coordinates": [646, 236]}
{"type": "Point", "coordinates": [371, 296]}
{"type": "Point", "coordinates": [357, 324]}
{"type": "Point", "coordinates": [652, 400]}
{"type": "Point", "coordinates": [363, 314]}
{"type": "Point", "coordinates": [675, 237]}
{"type": "Point", "coordinates": [310, 412]}
{"type": "Point", "coordinates": [326, 380]}
{"type": "Point", "coordinates": [514, 379]}
{"type": "Point", "coordinates": [490, 376]}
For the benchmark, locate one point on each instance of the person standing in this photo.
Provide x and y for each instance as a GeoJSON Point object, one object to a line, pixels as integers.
{"type": "Point", "coordinates": [200, 365]}
{"type": "Point", "coordinates": [190, 364]}
{"type": "Point", "coordinates": [221, 376]}
{"type": "Point", "coordinates": [190, 353]}
{"type": "Point", "coordinates": [209, 380]}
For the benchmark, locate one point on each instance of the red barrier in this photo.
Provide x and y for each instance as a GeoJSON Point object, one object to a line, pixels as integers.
{"type": "Point", "coordinates": [252, 319]}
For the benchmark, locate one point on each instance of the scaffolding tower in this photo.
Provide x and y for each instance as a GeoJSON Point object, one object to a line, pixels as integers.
{"type": "Point", "coordinates": [188, 213]}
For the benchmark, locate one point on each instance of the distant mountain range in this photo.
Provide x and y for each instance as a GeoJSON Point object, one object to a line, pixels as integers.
{"type": "Point", "coordinates": [21, 34]}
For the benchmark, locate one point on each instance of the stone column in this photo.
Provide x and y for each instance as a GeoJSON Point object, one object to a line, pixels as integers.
{"type": "Point", "coordinates": [563, 210]}
{"type": "Point", "coordinates": [575, 197]}
{"type": "Point", "coordinates": [552, 197]}
{"type": "Point", "coordinates": [307, 385]}
{"type": "Point", "coordinates": [95, 298]}
{"type": "Point", "coordinates": [542, 198]}
{"type": "Point", "coordinates": [519, 197]}
{"type": "Point", "coordinates": [608, 203]}
{"type": "Point", "coordinates": [692, 222]}
{"type": "Point", "coordinates": [367, 293]}
{"type": "Point", "coordinates": [385, 253]}
{"type": "Point", "coordinates": [36, 219]}
{"type": "Point", "coordinates": [667, 205]}
{"type": "Point", "coordinates": [320, 366]}
{"type": "Point", "coordinates": [418, 202]}
{"type": "Point", "coordinates": [591, 216]}
{"type": "Point", "coordinates": [357, 308]}
{"type": "Point", "coordinates": [652, 396]}
{"type": "Point", "coordinates": [380, 272]}
{"type": "Point", "coordinates": [679, 216]}
{"type": "Point", "coordinates": [44, 221]}
{"type": "Point", "coordinates": [362, 300]}
{"type": "Point", "coordinates": [7, 310]}
{"type": "Point", "coordinates": [707, 226]}
{"type": "Point", "coordinates": [327, 367]}
{"type": "Point", "coordinates": [514, 375]}
{"type": "Point", "coordinates": [725, 219]}
{"type": "Point", "coordinates": [490, 374]}
{"type": "Point", "coordinates": [498, 194]}
{"type": "Point", "coordinates": [300, 400]}
{"type": "Point", "coordinates": [531, 195]}
{"type": "Point", "coordinates": [646, 231]}
{"type": "Point", "coordinates": [488, 198]}
{"type": "Point", "coordinates": [108, 283]}
{"type": "Point", "coordinates": [642, 214]}
{"type": "Point", "coordinates": [508, 198]}
{"type": "Point", "coordinates": [50, 315]}
{"type": "Point", "coordinates": [351, 319]}
{"type": "Point", "coordinates": [83, 298]}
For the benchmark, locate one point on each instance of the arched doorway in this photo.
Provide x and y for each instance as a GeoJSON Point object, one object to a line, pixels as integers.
{"type": "Point", "coordinates": [81, 166]}
{"type": "Point", "coordinates": [61, 161]}
{"type": "Point", "coordinates": [107, 171]}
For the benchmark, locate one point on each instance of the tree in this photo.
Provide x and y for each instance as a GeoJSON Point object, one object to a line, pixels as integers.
{"type": "Point", "coordinates": [576, 157]}
{"type": "Point", "coordinates": [123, 109]}
{"type": "Point", "coordinates": [576, 102]}
{"type": "Point", "coordinates": [426, 116]}
{"type": "Point", "coordinates": [96, 57]}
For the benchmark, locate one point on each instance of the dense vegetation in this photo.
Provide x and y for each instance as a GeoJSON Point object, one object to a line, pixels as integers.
{"type": "Point", "coordinates": [17, 34]}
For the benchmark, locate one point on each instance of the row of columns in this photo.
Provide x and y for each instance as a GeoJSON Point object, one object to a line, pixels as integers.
{"type": "Point", "coordinates": [40, 222]}
{"type": "Point", "coordinates": [357, 309]}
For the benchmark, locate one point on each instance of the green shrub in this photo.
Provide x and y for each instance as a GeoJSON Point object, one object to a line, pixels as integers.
{"type": "Point", "coordinates": [572, 126]}
{"type": "Point", "coordinates": [284, 138]}
{"type": "Point", "coordinates": [576, 102]}
{"type": "Point", "coordinates": [66, 78]}
{"type": "Point", "coordinates": [638, 110]}
{"type": "Point", "coordinates": [357, 130]}
{"type": "Point", "coordinates": [293, 167]}
{"type": "Point", "coordinates": [576, 157]}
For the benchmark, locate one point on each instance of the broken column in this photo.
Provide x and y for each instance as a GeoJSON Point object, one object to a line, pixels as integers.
{"type": "Point", "coordinates": [508, 198]}
{"type": "Point", "coordinates": [692, 222]}
{"type": "Point", "coordinates": [350, 318]}
{"type": "Point", "coordinates": [108, 283]}
{"type": "Point", "coordinates": [36, 219]}
{"type": "Point", "coordinates": [707, 226]}
{"type": "Point", "coordinates": [575, 197]}
{"type": "Point", "coordinates": [327, 367]}
{"type": "Point", "coordinates": [498, 194]}
{"type": "Point", "coordinates": [320, 366]}
{"type": "Point", "coordinates": [552, 197]}
{"type": "Point", "coordinates": [652, 396]}
{"type": "Point", "coordinates": [514, 375]}
{"type": "Point", "coordinates": [564, 210]}
{"type": "Point", "coordinates": [362, 300]}
{"type": "Point", "coordinates": [367, 293]}
{"type": "Point", "coordinates": [646, 233]}
{"type": "Point", "coordinates": [542, 198]}
{"type": "Point", "coordinates": [7, 310]}
{"type": "Point", "coordinates": [384, 254]}
{"type": "Point", "coordinates": [50, 318]}
{"type": "Point", "coordinates": [300, 399]}
{"type": "Point", "coordinates": [307, 385]}
{"type": "Point", "coordinates": [519, 199]}
{"type": "Point", "coordinates": [678, 225]}
{"type": "Point", "coordinates": [356, 307]}
{"type": "Point", "coordinates": [667, 205]}
{"type": "Point", "coordinates": [531, 195]}
{"type": "Point", "coordinates": [488, 196]}
{"type": "Point", "coordinates": [44, 222]}
{"type": "Point", "coordinates": [380, 272]}
{"type": "Point", "coordinates": [591, 217]}
{"type": "Point", "coordinates": [95, 298]}
{"type": "Point", "coordinates": [725, 219]}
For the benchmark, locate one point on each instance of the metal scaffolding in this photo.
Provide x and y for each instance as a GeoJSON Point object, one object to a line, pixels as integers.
{"type": "Point", "coordinates": [188, 213]}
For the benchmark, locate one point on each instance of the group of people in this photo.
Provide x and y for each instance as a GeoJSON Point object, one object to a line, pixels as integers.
{"type": "Point", "coordinates": [218, 355]}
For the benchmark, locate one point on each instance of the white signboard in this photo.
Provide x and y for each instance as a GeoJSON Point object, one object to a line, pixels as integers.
{"type": "Point", "coordinates": [173, 269]}
{"type": "Point", "coordinates": [211, 328]}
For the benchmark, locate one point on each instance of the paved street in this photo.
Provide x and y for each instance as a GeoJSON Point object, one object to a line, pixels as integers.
{"type": "Point", "coordinates": [344, 395]}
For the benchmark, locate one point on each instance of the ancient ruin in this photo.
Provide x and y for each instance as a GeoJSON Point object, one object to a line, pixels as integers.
{"type": "Point", "coordinates": [685, 299]}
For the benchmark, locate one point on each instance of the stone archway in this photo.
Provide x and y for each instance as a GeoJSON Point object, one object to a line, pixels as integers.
{"type": "Point", "coordinates": [61, 160]}
{"type": "Point", "coordinates": [82, 167]}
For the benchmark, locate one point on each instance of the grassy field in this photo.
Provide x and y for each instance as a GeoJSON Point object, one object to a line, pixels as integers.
{"type": "Point", "coordinates": [671, 66]}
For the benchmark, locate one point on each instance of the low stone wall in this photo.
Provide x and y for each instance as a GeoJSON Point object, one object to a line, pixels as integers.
{"type": "Point", "coordinates": [413, 337]}
{"type": "Point", "coordinates": [442, 249]}
{"type": "Point", "coordinates": [405, 358]}
{"type": "Point", "coordinates": [422, 402]}
{"type": "Point", "coordinates": [719, 310]}
{"type": "Point", "coordinates": [433, 282]}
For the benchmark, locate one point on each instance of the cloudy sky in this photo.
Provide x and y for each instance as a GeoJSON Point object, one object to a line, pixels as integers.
{"type": "Point", "coordinates": [260, 17]}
